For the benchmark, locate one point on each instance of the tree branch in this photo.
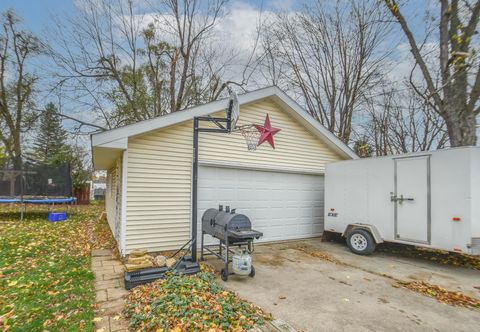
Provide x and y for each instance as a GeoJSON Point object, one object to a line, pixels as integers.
{"type": "Point", "coordinates": [393, 7]}
{"type": "Point", "coordinates": [82, 122]}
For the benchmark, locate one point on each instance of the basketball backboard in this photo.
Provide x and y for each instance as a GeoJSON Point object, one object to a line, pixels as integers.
{"type": "Point", "coordinates": [233, 100]}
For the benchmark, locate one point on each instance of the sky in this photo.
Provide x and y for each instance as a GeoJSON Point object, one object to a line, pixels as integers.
{"type": "Point", "coordinates": [36, 13]}
{"type": "Point", "coordinates": [239, 24]}
{"type": "Point", "coordinates": [239, 27]}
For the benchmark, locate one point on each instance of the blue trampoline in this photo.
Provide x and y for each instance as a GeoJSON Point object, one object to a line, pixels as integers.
{"type": "Point", "coordinates": [38, 184]}
{"type": "Point", "coordinates": [9, 200]}
{"type": "Point", "coordinates": [38, 201]}
{"type": "Point", "coordinates": [69, 200]}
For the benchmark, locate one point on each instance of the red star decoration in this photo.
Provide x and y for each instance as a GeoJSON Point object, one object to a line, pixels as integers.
{"type": "Point", "coordinates": [267, 132]}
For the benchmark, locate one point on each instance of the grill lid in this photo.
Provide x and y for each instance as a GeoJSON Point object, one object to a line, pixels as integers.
{"type": "Point", "coordinates": [220, 223]}
{"type": "Point", "coordinates": [233, 221]}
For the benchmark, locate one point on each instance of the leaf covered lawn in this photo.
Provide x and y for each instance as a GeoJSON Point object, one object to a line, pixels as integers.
{"type": "Point", "coordinates": [190, 303]}
{"type": "Point", "coordinates": [45, 279]}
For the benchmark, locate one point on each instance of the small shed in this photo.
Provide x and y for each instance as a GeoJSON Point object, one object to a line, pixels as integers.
{"type": "Point", "coordinates": [149, 168]}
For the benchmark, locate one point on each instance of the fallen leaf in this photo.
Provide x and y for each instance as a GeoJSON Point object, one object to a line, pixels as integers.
{"type": "Point", "coordinates": [12, 283]}
{"type": "Point", "coordinates": [441, 294]}
{"type": "Point", "coordinates": [190, 303]}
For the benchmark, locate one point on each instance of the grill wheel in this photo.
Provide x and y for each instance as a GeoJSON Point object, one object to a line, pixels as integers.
{"type": "Point", "coordinates": [224, 275]}
{"type": "Point", "coordinates": [252, 272]}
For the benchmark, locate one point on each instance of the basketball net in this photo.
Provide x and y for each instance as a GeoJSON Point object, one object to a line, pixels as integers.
{"type": "Point", "coordinates": [251, 136]}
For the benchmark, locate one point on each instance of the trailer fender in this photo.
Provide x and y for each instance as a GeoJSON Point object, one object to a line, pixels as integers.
{"type": "Point", "coordinates": [370, 228]}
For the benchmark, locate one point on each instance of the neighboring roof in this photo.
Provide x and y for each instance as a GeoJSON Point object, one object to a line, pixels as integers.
{"type": "Point", "coordinates": [117, 138]}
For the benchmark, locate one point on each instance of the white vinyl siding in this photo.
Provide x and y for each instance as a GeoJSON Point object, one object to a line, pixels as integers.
{"type": "Point", "coordinates": [160, 162]}
{"type": "Point", "coordinates": [295, 146]}
{"type": "Point", "coordinates": [110, 197]}
{"type": "Point", "coordinates": [113, 198]}
{"type": "Point", "coordinates": [158, 192]}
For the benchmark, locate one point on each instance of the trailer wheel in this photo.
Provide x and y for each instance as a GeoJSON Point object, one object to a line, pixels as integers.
{"type": "Point", "coordinates": [224, 275]}
{"type": "Point", "coordinates": [361, 242]}
{"type": "Point", "coordinates": [252, 272]}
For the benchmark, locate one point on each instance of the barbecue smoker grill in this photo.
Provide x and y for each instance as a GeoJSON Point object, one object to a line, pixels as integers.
{"type": "Point", "coordinates": [231, 229]}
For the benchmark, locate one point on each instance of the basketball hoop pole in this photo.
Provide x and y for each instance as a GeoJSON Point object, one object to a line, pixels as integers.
{"type": "Point", "coordinates": [196, 130]}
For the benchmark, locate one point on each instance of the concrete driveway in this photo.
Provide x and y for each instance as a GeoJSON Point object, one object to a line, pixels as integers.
{"type": "Point", "coordinates": [312, 293]}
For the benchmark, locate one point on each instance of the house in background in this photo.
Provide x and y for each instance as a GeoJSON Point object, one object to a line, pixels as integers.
{"type": "Point", "coordinates": [98, 186]}
{"type": "Point", "coordinates": [149, 166]}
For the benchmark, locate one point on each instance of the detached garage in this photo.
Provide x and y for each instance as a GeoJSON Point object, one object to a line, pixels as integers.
{"type": "Point", "coordinates": [149, 173]}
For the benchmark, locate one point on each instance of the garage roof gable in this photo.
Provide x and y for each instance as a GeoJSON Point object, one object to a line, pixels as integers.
{"type": "Point", "coordinates": [118, 138]}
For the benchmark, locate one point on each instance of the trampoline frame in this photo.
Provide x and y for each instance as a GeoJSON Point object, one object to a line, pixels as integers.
{"type": "Point", "coordinates": [71, 201]}
{"type": "Point", "coordinates": [23, 200]}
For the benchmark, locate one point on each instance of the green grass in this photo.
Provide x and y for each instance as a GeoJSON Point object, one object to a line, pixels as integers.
{"type": "Point", "coordinates": [45, 279]}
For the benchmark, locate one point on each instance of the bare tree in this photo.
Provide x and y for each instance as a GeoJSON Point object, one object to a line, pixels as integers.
{"type": "Point", "coordinates": [17, 48]}
{"type": "Point", "coordinates": [456, 98]}
{"type": "Point", "coordinates": [399, 121]}
{"type": "Point", "coordinates": [126, 66]}
{"type": "Point", "coordinates": [329, 56]}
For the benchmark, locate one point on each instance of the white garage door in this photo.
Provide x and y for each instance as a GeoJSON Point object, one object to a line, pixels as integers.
{"type": "Point", "coordinates": [281, 205]}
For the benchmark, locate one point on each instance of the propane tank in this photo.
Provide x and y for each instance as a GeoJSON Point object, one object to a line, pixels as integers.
{"type": "Point", "coordinates": [242, 262]}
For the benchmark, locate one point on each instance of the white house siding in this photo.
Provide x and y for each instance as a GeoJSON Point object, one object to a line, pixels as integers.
{"type": "Point", "coordinates": [113, 198]}
{"type": "Point", "coordinates": [159, 170]}
{"type": "Point", "coordinates": [295, 147]}
{"type": "Point", "coordinates": [158, 190]}
{"type": "Point", "coordinates": [110, 197]}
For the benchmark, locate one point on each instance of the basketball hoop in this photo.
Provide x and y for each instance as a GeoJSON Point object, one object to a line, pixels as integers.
{"type": "Point", "coordinates": [251, 135]}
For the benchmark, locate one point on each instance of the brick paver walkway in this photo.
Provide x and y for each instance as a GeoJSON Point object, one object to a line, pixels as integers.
{"type": "Point", "coordinates": [110, 292]}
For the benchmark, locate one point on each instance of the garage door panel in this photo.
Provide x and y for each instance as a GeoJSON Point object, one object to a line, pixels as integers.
{"type": "Point", "coordinates": [317, 229]}
{"type": "Point", "coordinates": [304, 229]}
{"type": "Point", "coordinates": [317, 212]}
{"type": "Point", "coordinates": [306, 204]}
{"type": "Point", "coordinates": [277, 196]}
{"type": "Point", "coordinates": [281, 205]}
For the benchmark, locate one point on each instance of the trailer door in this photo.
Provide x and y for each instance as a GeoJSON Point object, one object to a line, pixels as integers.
{"type": "Point", "coordinates": [412, 199]}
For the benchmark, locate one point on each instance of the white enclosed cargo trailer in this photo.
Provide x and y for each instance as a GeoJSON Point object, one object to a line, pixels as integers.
{"type": "Point", "coordinates": [429, 199]}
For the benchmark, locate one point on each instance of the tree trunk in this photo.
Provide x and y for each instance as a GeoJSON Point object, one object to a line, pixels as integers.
{"type": "Point", "coordinates": [17, 150]}
{"type": "Point", "coordinates": [17, 162]}
{"type": "Point", "coordinates": [453, 102]}
{"type": "Point", "coordinates": [462, 127]}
